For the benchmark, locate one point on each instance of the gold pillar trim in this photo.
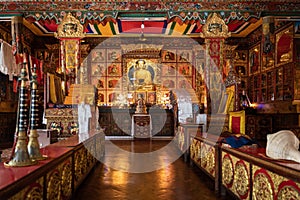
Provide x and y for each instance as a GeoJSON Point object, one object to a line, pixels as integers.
{"type": "Point", "coordinates": [70, 27]}
{"type": "Point", "coordinates": [215, 27]}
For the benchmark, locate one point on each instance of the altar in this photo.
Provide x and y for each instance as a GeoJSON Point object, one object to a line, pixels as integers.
{"type": "Point", "coordinates": [141, 126]}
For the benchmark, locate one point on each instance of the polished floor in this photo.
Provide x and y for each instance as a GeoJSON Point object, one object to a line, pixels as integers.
{"type": "Point", "coordinates": [145, 169]}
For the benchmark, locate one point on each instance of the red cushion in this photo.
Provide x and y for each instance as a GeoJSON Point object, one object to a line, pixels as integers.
{"type": "Point", "coordinates": [236, 125]}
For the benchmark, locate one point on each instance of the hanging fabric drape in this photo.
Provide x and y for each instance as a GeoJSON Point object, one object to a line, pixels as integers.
{"type": "Point", "coordinates": [52, 89]}
{"type": "Point", "coordinates": [8, 64]}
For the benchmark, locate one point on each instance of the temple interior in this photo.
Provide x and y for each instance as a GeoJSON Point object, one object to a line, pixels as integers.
{"type": "Point", "coordinates": [203, 93]}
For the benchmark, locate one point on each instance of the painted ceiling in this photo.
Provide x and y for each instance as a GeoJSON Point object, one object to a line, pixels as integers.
{"type": "Point", "coordinates": [107, 18]}
{"type": "Point", "coordinates": [166, 25]}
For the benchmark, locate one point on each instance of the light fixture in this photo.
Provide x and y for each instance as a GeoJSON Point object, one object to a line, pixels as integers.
{"type": "Point", "coordinates": [245, 101]}
{"type": "Point", "coordinates": [142, 37]}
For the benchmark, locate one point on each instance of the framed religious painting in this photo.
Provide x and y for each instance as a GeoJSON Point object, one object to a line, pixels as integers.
{"type": "Point", "coordinates": [168, 69]}
{"type": "Point", "coordinates": [142, 72]}
{"type": "Point", "coordinates": [98, 69]}
{"type": "Point", "coordinates": [71, 51]}
{"type": "Point", "coordinates": [284, 46]}
{"type": "Point", "coordinates": [114, 55]}
{"type": "Point", "coordinates": [169, 83]}
{"type": "Point", "coordinates": [240, 56]}
{"type": "Point", "coordinates": [200, 67]}
{"type": "Point", "coordinates": [169, 55]}
{"type": "Point", "coordinates": [268, 53]}
{"type": "Point", "coordinates": [141, 94]}
{"type": "Point", "coordinates": [241, 70]}
{"type": "Point", "coordinates": [111, 97]}
{"type": "Point", "coordinates": [114, 69]}
{"type": "Point", "coordinates": [254, 60]}
{"type": "Point", "coordinates": [43, 54]}
{"type": "Point", "coordinates": [98, 55]}
{"type": "Point", "coordinates": [184, 56]}
{"type": "Point", "coordinates": [114, 83]}
{"type": "Point", "coordinates": [185, 69]}
{"type": "Point", "coordinates": [151, 97]}
{"type": "Point", "coordinates": [101, 97]}
{"type": "Point", "coordinates": [99, 83]}
{"type": "Point", "coordinates": [185, 83]}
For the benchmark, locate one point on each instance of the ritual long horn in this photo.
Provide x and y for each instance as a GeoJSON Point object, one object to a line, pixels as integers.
{"type": "Point", "coordinates": [33, 144]}
{"type": "Point", "coordinates": [20, 155]}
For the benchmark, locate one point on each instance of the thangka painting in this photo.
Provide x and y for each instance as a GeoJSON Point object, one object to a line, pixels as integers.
{"type": "Point", "coordinates": [71, 53]}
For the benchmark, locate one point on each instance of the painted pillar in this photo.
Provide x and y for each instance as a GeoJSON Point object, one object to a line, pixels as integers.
{"type": "Point", "coordinates": [215, 31]}
{"type": "Point", "coordinates": [69, 32]}
{"type": "Point", "coordinates": [268, 43]}
{"type": "Point", "coordinates": [17, 39]}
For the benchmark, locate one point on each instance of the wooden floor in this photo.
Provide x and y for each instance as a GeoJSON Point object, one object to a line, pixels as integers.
{"type": "Point", "coordinates": [121, 178]}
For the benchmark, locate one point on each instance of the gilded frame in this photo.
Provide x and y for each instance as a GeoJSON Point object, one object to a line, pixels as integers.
{"type": "Point", "coordinates": [241, 114]}
{"type": "Point", "coordinates": [144, 96]}
{"type": "Point", "coordinates": [98, 55]}
{"type": "Point", "coordinates": [98, 69]}
{"type": "Point", "coordinates": [184, 55]}
{"type": "Point", "coordinates": [101, 98]}
{"type": "Point", "coordinates": [184, 83]}
{"type": "Point", "coordinates": [185, 69]}
{"type": "Point", "coordinates": [254, 59]}
{"type": "Point", "coordinates": [114, 83]}
{"type": "Point", "coordinates": [114, 69]}
{"type": "Point", "coordinates": [168, 55]}
{"type": "Point", "coordinates": [111, 97]}
{"type": "Point", "coordinates": [284, 46]}
{"type": "Point", "coordinates": [168, 69]}
{"type": "Point", "coordinates": [168, 83]}
{"type": "Point", "coordinates": [151, 66]}
{"type": "Point", "coordinates": [151, 97]}
{"type": "Point", "coordinates": [99, 83]}
{"type": "Point", "coordinates": [229, 100]}
{"type": "Point", "coordinates": [114, 55]}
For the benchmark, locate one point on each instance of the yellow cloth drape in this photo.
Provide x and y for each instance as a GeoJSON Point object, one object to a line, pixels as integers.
{"type": "Point", "coordinates": [53, 98]}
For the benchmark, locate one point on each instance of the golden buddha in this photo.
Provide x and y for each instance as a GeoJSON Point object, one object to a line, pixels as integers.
{"type": "Point", "coordinates": [141, 75]}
